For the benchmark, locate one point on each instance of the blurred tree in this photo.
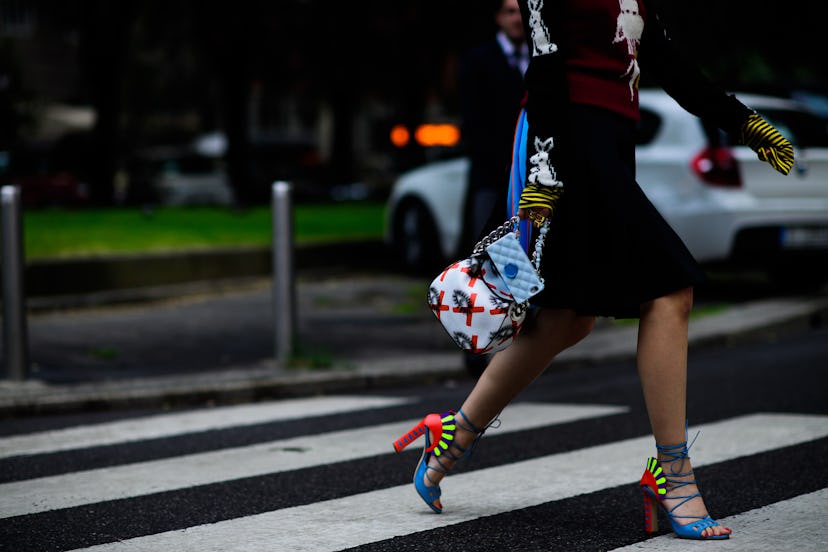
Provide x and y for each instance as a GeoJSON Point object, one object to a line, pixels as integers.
{"type": "Point", "coordinates": [13, 96]}
{"type": "Point", "coordinates": [396, 54]}
{"type": "Point", "coordinates": [230, 35]}
{"type": "Point", "coordinates": [749, 45]}
{"type": "Point", "coordinates": [105, 31]}
{"type": "Point", "coordinates": [144, 64]}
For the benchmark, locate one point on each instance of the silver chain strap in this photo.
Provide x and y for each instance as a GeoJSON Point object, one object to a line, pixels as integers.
{"type": "Point", "coordinates": [495, 235]}
{"type": "Point", "coordinates": [507, 227]}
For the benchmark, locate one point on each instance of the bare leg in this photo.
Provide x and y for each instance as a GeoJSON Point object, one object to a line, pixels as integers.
{"type": "Point", "coordinates": [512, 370]}
{"type": "Point", "coordinates": [662, 367]}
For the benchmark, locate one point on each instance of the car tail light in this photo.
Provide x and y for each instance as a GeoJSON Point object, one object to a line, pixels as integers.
{"type": "Point", "coordinates": [717, 166]}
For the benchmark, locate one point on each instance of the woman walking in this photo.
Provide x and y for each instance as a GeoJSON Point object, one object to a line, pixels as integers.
{"type": "Point", "coordinates": [608, 252]}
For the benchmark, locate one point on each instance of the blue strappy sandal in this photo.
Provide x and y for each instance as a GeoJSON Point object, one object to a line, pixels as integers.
{"type": "Point", "coordinates": [654, 485]}
{"type": "Point", "coordinates": [439, 430]}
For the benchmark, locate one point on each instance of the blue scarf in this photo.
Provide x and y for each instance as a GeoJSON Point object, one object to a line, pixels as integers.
{"type": "Point", "coordinates": [517, 178]}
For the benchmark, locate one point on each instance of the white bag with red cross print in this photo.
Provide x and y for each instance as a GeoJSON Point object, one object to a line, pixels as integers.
{"type": "Point", "coordinates": [475, 298]}
{"type": "Point", "coordinates": [475, 309]}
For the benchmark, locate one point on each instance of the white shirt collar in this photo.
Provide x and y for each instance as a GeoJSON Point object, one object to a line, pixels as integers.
{"type": "Point", "coordinates": [509, 49]}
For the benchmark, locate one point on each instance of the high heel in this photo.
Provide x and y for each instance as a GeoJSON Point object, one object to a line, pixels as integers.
{"type": "Point", "coordinates": [654, 486]}
{"type": "Point", "coordinates": [439, 431]}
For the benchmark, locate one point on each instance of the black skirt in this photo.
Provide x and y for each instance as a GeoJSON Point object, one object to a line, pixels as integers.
{"type": "Point", "coordinates": [608, 249]}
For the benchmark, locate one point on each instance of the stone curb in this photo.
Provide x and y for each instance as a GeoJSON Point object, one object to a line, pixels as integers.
{"type": "Point", "coordinates": [48, 278]}
{"type": "Point", "coordinates": [265, 380]}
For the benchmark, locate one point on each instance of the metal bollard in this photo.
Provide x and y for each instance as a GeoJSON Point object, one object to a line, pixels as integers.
{"type": "Point", "coordinates": [15, 334]}
{"type": "Point", "coordinates": [284, 296]}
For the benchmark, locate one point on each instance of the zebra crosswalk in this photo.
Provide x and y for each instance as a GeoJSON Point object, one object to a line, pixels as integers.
{"type": "Point", "coordinates": [169, 474]}
{"type": "Point", "coordinates": [343, 487]}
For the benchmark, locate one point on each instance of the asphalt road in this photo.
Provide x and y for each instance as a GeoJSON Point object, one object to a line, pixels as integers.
{"type": "Point", "coordinates": [339, 316]}
{"type": "Point", "coordinates": [319, 474]}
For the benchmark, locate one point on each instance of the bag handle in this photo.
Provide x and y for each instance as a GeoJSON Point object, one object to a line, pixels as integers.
{"type": "Point", "coordinates": [508, 227]}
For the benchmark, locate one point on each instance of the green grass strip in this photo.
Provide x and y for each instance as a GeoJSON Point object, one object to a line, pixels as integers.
{"type": "Point", "coordinates": [88, 232]}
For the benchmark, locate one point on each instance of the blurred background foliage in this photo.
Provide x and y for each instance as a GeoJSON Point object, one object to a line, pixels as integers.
{"type": "Point", "coordinates": [113, 97]}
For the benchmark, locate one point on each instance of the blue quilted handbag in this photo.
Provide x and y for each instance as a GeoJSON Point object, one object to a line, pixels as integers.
{"type": "Point", "coordinates": [481, 301]}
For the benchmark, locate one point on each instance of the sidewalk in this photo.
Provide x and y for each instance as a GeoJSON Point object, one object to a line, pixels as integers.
{"type": "Point", "coordinates": [355, 332]}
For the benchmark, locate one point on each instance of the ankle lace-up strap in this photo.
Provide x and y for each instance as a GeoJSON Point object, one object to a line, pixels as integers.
{"type": "Point", "coordinates": [495, 423]}
{"type": "Point", "coordinates": [465, 424]}
{"type": "Point", "coordinates": [677, 454]}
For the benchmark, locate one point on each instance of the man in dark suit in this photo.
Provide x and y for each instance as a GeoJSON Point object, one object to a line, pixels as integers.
{"type": "Point", "coordinates": [491, 87]}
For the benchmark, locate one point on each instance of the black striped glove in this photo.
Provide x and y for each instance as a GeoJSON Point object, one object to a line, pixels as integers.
{"type": "Point", "coordinates": [768, 144]}
{"type": "Point", "coordinates": [536, 197]}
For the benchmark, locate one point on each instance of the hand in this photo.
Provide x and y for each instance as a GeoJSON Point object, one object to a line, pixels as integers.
{"type": "Point", "coordinates": [537, 202]}
{"type": "Point", "coordinates": [769, 145]}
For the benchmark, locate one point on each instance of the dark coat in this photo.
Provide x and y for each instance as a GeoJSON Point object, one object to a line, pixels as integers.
{"type": "Point", "coordinates": [491, 93]}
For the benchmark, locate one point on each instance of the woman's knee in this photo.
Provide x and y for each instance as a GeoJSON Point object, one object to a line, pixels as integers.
{"type": "Point", "coordinates": [580, 328]}
{"type": "Point", "coordinates": [564, 327]}
{"type": "Point", "coordinates": [679, 302]}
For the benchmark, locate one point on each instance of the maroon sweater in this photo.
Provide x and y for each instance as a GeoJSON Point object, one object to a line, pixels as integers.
{"type": "Point", "coordinates": [600, 47]}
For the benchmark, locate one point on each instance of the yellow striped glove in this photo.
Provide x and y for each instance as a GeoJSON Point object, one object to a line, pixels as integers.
{"type": "Point", "coordinates": [537, 197]}
{"type": "Point", "coordinates": [768, 144]}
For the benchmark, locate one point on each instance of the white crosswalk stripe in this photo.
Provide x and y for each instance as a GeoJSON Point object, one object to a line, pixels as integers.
{"type": "Point", "coordinates": [75, 489]}
{"type": "Point", "coordinates": [354, 520]}
{"type": "Point", "coordinates": [167, 425]}
{"type": "Point", "coordinates": [773, 527]}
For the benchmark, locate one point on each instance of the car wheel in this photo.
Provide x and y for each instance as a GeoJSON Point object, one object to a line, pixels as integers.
{"type": "Point", "coordinates": [415, 238]}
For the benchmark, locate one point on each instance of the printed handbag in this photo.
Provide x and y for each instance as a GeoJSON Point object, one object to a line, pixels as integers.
{"type": "Point", "coordinates": [482, 301]}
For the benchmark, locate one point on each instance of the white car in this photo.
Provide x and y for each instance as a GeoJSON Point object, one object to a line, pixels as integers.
{"type": "Point", "coordinates": [725, 204]}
